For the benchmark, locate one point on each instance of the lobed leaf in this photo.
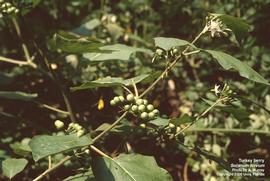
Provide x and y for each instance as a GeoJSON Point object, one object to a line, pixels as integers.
{"type": "Point", "coordinates": [228, 62]}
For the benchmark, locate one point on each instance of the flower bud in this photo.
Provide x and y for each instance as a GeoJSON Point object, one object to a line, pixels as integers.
{"type": "Point", "coordinates": [59, 124]}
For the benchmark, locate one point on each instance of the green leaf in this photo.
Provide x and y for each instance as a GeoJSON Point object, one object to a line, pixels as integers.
{"type": "Point", "coordinates": [185, 118]}
{"type": "Point", "coordinates": [74, 44]}
{"type": "Point", "coordinates": [111, 82]}
{"type": "Point", "coordinates": [160, 121]}
{"type": "Point", "coordinates": [129, 167]}
{"type": "Point", "coordinates": [228, 62]}
{"type": "Point", "coordinates": [12, 166]}
{"type": "Point", "coordinates": [237, 25]}
{"type": "Point", "coordinates": [16, 95]}
{"type": "Point", "coordinates": [45, 145]}
{"type": "Point", "coordinates": [168, 43]}
{"type": "Point", "coordinates": [85, 29]}
{"type": "Point", "coordinates": [118, 52]}
{"type": "Point", "coordinates": [21, 148]}
{"type": "Point", "coordinates": [85, 176]}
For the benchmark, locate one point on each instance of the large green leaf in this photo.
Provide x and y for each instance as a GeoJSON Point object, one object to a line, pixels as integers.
{"type": "Point", "coordinates": [111, 82]}
{"type": "Point", "coordinates": [129, 167]}
{"type": "Point", "coordinates": [185, 118]}
{"type": "Point", "coordinates": [168, 43]}
{"type": "Point", "coordinates": [74, 44]}
{"type": "Point", "coordinates": [84, 176]}
{"type": "Point", "coordinates": [118, 52]}
{"type": "Point", "coordinates": [16, 95]}
{"type": "Point", "coordinates": [228, 62]}
{"type": "Point", "coordinates": [45, 145]}
{"type": "Point", "coordinates": [237, 25]}
{"type": "Point", "coordinates": [11, 166]}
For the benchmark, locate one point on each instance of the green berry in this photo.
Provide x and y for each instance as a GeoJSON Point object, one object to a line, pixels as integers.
{"type": "Point", "coordinates": [139, 101]}
{"type": "Point", "coordinates": [144, 115]}
{"type": "Point", "coordinates": [171, 125]}
{"type": "Point", "coordinates": [178, 129]}
{"type": "Point", "coordinates": [116, 100]}
{"type": "Point", "coordinates": [134, 108]}
{"type": "Point", "coordinates": [145, 102]}
{"type": "Point", "coordinates": [141, 108]}
{"type": "Point", "coordinates": [159, 52]}
{"type": "Point", "coordinates": [142, 125]}
{"type": "Point", "coordinates": [151, 115]}
{"type": "Point", "coordinates": [130, 97]}
{"type": "Point", "coordinates": [80, 133]}
{"type": "Point", "coordinates": [126, 107]}
{"type": "Point", "coordinates": [112, 103]}
{"type": "Point", "coordinates": [156, 111]}
{"type": "Point", "coordinates": [150, 107]}
{"type": "Point", "coordinates": [121, 98]}
{"type": "Point", "coordinates": [174, 50]}
{"type": "Point", "coordinates": [59, 124]}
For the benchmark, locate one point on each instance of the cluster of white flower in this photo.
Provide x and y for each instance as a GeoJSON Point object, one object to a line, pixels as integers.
{"type": "Point", "coordinates": [6, 8]}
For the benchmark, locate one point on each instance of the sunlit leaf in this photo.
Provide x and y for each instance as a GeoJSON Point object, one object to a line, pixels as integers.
{"type": "Point", "coordinates": [129, 167]}
{"type": "Point", "coordinates": [168, 43]}
{"type": "Point", "coordinates": [227, 62]}
{"type": "Point", "coordinates": [11, 166]}
{"type": "Point", "coordinates": [45, 145]}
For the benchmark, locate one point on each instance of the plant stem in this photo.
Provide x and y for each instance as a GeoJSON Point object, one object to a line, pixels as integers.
{"type": "Point", "coordinates": [9, 60]}
{"type": "Point", "coordinates": [122, 116]}
{"type": "Point", "coordinates": [172, 64]}
{"type": "Point", "coordinates": [29, 61]}
{"type": "Point", "coordinates": [200, 116]}
{"type": "Point", "coordinates": [226, 130]}
{"type": "Point", "coordinates": [53, 108]}
{"type": "Point", "coordinates": [52, 168]}
{"type": "Point", "coordinates": [109, 128]}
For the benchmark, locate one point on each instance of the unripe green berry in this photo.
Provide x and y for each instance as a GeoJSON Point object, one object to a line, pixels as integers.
{"type": "Point", "coordinates": [112, 103]}
{"type": "Point", "coordinates": [127, 107]}
{"type": "Point", "coordinates": [141, 108]}
{"type": "Point", "coordinates": [130, 97]}
{"type": "Point", "coordinates": [145, 102]}
{"type": "Point", "coordinates": [159, 52]}
{"type": "Point", "coordinates": [139, 101]}
{"type": "Point", "coordinates": [134, 108]}
{"type": "Point", "coordinates": [80, 133]}
{"type": "Point", "coordinates": [150, 107]}
{"type": "Point", "coordinates": [121, 98]}
{"type": "Point", "coordinates": [171, 125]}
{"type": "Point", "coordinates": [142, 125]}
{"type": "Point", "coordinates": [174, 50]}
{"type": "Point", "coordinates": [59, 124]}
{"type": "Point", "coordinates": [116, 100]}
{"type": "Point", "coordinates": [151, 115]}
{"type": "Point", "coordinates": [87, 151]}
{"type": "Point", "coordinates": [144, 115]}
{"type": "Point", "coordinates": [156, 111]}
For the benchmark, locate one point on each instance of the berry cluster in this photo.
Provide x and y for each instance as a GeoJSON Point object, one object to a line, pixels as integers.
{"type": "Point", "coordinates": [72, 128]}
{"type": "Point", "coordinates": [137, 106]}
{"type": "Point", "coordinates": [162, 54]}
{"type": "Point", "coordinates": [6, 8]}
